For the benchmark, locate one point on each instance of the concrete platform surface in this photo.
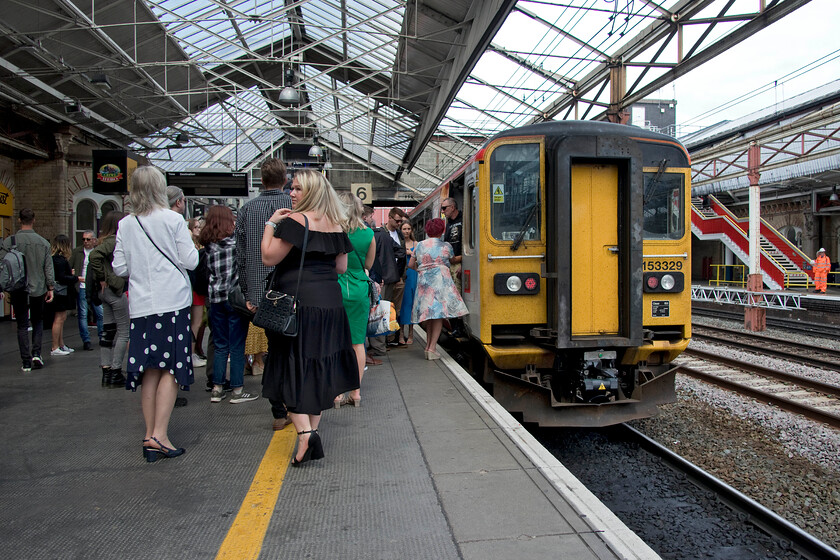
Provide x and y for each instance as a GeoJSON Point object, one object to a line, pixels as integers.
{"type": "Point", "coordinates": [428, 467]}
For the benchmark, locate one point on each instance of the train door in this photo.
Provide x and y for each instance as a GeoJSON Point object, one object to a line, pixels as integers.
{"type": "Point", "coordinates": [595, 262]}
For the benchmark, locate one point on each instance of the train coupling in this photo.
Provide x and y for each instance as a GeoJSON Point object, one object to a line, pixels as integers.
{"type": "Point", "coordinates": [600, 378]}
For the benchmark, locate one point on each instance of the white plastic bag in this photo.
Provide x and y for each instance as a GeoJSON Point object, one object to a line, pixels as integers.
{"type": "Point", "coordinates": [379, 320]}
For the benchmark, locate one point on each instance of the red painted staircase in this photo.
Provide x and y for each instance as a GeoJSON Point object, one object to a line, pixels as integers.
{"type": "Point", "coordinates": [782, 263]}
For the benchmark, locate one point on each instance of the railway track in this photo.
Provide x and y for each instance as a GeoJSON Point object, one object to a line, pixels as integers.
{"type": "Point", "coordinates": [825, 358]}
{"type": "Point", "coordinates": [822, 329]}
{"type": "Point", "coordinates": [800, 395]}
{"type": "Point", "coordinates": [679, 508]}
{"type": "Point", "coordinates": [775, 525]}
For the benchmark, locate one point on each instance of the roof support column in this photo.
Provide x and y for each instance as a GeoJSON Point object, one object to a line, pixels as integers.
{"type": "Point", "coordinates": [618, 88]}
{"type": "Point", "coordinates": [755, 318]}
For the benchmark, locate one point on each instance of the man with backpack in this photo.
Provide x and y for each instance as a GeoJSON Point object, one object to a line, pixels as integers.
{"type": "Point", "coordinates": [28, 300]}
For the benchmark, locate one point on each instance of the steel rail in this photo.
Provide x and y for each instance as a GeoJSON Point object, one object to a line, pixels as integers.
{"type": "Point", "coordinates": [784, 403]}
{"type": "Point", "coordinates": [776, 525]}
{"type": "Point", "coordinates": [818, 329]}
{"type": "Point", "coordinates": [826, 388]}
{"type": "Point", "coordinates": [832, 365]}
{"type": "Point", "coordinates": [769, 338]}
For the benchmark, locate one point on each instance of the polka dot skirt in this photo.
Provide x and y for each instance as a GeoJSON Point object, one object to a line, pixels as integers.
{"type": "Point", "coordinates": [161, 341]}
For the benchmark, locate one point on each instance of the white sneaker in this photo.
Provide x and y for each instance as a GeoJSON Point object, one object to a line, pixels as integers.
{"type": "Point", "coordinates": [198, 361]}
{"type": "Point", "coordinates": [67, 349]}
{"type": "Point", "coordinates": [59, 352]}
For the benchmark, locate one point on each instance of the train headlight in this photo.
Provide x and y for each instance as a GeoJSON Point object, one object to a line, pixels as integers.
{"type": "Point", "coordinates": [664, 282]}
{"type": "Point", "coordinates": [516, 284]}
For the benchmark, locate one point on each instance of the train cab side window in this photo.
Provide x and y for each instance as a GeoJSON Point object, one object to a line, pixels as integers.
{"type": "Point", "coordinates": [664, 205]}
{"type": "Point", "coordinates": [515, 192]}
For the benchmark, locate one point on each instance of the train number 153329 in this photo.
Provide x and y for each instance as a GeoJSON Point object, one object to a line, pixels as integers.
{"type": "Point", "coordinates": [649, 266]}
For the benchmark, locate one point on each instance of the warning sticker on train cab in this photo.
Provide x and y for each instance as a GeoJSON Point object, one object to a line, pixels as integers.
{"type": "Point", "coordinates": [651, 266]}
{"type": "Point", "coordinates": [660, 308]}
{"type": "Point", "coordinates": [499, 194]}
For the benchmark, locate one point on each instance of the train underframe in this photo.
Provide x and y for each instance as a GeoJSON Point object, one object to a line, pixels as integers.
{"type": "Point", "coordinates": [578, 388]}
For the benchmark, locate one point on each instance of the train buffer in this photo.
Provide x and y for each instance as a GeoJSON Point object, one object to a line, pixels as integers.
{"type": "Point", "coordinates": [429, 467]}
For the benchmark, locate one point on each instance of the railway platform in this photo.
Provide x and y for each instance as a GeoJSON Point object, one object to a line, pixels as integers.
{"type": "Point", "coordinates": [428, 467]}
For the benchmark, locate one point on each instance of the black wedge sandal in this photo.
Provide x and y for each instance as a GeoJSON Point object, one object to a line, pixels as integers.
{"type": "Point", "coordinates": [316, 445]}
{"type": "Point", "coordinates": [307, 455]}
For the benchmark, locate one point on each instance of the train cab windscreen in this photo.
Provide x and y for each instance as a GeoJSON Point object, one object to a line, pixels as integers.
{"type": "Point", "coordinates": [664, 205]}
{"type": "Point", "coordinates": [515, 192]}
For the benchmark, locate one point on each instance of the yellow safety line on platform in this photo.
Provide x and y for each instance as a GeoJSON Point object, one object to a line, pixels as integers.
{"type": "Point", "coordinates": [245, 537]}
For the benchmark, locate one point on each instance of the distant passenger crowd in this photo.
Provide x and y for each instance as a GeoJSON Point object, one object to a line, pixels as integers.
{"type": "Point", "coordinates": [306, 263]}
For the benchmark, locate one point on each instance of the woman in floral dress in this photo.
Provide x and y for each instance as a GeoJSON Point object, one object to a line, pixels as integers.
{"type": "Point", "coordinates": [436, 298]}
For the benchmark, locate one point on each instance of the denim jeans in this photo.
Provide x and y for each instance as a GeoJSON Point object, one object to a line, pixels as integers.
{"type": "Point", "coordinates": [230, 329]}
{"type": "Point", "coordinates": [82, 314]}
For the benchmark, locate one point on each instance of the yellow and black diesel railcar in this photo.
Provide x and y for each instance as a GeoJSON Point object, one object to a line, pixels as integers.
{"type": "Point", "coordinates": [576, 268]}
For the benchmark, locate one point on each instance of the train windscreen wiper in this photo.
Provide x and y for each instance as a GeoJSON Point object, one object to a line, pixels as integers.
{"type": "Point", "coordinates": [521, 235]}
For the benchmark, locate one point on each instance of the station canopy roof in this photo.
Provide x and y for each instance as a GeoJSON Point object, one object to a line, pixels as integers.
{"type": "Point", "coordinates": [203, 83]}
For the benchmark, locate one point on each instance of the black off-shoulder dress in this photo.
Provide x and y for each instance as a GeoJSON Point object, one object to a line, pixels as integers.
{"type": "Point", "coordinates": [308, 371]}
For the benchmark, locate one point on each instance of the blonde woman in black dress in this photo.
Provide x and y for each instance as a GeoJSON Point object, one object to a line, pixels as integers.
{"type": "Point", "coordinates": [306, 372]}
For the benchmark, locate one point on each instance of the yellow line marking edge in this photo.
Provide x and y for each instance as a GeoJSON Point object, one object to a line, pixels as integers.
{"type": "Point", "coordinates": [245, 537]}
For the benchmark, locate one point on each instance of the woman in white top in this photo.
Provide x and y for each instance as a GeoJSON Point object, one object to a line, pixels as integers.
{"type": "Point", "coordinates": [154, 249]}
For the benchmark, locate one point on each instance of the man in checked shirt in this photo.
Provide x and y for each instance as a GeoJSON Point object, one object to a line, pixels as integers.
{"type": "Point", "coordinates": [250, 224]}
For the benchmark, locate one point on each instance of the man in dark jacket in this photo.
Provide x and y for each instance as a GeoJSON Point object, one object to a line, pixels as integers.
{"type": "Point", "coordinates": [454, 236]}
{"type": "Point", "coordinates": [79, 263]}
{"type": "Point", "coordinates": [389, 267]}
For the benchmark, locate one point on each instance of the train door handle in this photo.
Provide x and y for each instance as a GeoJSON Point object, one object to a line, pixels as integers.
{"type": "Point", "coordinates": [613, 249]}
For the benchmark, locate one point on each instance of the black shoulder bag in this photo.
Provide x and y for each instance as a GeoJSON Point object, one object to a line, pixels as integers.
{"type": "Point", "coordinates": [374, 291]}
{"type": "Point", "coordinates": [277, 311]}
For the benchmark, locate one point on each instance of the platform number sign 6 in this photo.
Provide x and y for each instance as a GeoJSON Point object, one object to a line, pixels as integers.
{"type": "Point", "coordinates": [364, 191]}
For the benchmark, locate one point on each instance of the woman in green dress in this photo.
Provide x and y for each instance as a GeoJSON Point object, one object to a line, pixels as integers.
{"type": "Point", "coordinates": [354, 286]}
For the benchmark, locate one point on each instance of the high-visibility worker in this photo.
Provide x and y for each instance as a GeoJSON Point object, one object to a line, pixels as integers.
{"type": "Point", "coordinates": [821, 267]}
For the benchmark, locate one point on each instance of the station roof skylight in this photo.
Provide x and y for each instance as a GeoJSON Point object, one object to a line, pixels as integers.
{"type": "Point", "coordinates": [198, 83]}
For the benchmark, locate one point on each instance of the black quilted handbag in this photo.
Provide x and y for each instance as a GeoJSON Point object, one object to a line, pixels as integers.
{"type": "Point", "coordinates": [278, 311]}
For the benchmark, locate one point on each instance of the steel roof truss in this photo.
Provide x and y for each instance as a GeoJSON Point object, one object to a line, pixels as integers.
{"type": "Point", "coordinates": [557, 79]}
{"type": "Point", "coordinates": [563, 32]}
{"type": "Point", "coordinates": [113, 46]}
{"type": "Point", "coordinates": [486, 18]}
{"type": "Point", "coordinates": [760, 20]}
{"type": "Point", "coordinates": [225, 107]}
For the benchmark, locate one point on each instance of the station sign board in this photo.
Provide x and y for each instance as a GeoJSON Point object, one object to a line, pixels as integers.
{"type": "Point", "coordinates": [210, 184]}
{"type": "Point", "coordinates": [111, 170]}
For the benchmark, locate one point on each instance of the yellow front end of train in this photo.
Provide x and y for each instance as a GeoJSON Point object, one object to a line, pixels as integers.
{"type": "Point", "coordinates": [576, 269]}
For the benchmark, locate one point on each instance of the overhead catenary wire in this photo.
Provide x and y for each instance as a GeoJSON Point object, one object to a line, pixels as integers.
{"type": "Point", "coordinates": [743, 97]}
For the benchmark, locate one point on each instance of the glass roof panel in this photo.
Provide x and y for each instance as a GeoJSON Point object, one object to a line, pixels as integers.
{"type": "Point", "coordinates": [211, 32]}
{"type": "Point", "coordinates": [228, 135]}
{"type": "Point", "coordinates": [370, 36]}
{"type": "Point", "coordinates": [545, 50]}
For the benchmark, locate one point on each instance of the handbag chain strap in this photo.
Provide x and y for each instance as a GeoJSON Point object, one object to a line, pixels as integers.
{"type": "Point", "coordinates": [302, 255]}
{"type": "Point", "coordinates": [159, 250]}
